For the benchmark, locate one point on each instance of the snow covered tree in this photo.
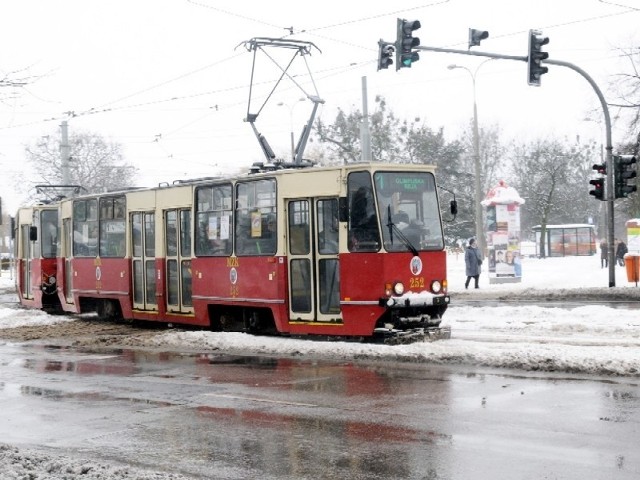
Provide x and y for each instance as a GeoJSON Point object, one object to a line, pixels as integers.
{"type": "Point", "coordinates": [552, 177]}
{"type": "Point", "coordinates": [402, 141]}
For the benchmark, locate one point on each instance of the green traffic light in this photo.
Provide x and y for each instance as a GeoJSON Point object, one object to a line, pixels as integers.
{"type": "Point", "coordinates": [408, 58]}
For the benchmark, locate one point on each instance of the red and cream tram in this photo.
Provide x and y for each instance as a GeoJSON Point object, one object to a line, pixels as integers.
{"type": "Point", "coordinates": [354, 250]}
{"type": "Point", "coordinates": [36, 266]}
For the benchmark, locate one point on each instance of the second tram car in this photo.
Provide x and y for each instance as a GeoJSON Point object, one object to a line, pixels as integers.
{"type": "Point", "coordinates": [36, 265]}
{"type": "Point", "coordinates": [354, 250]}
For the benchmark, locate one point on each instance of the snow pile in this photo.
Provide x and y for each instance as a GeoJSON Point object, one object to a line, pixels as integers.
{"type": "Point", "coordinates": [21, 464]}
{"type": "Point", "coordinates": [599, 337]}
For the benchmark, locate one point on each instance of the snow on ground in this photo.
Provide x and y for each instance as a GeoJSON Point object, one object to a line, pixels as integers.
{"type": "Point", "coordinates": [582, 337]}
{"type": "Point", "coordinates": [590, 338]}
{"type": "Point", "coordinates": [24, 464]}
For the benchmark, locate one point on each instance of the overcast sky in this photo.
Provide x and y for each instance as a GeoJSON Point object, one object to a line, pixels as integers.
{"type": "Point", "coordinates": [169, 79]}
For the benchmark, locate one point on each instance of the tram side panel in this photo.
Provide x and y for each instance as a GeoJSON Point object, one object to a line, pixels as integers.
{"type": "Point", "coordinates": [227, 291]}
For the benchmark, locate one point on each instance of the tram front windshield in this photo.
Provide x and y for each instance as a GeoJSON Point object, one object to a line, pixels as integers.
{"type": "Point", "coordinates": [408, 211]}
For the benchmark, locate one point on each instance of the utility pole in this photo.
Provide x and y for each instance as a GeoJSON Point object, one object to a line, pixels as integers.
{"type": "Point", "coordinates": [365, 134]}
{"type": "Point", "coordinates": [64, 153]}
{"type": "Point", "coordinates": [478, 196]}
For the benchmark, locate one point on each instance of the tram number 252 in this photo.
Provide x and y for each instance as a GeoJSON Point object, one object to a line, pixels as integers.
{"type": "Point", "coordinates": [416, 282]}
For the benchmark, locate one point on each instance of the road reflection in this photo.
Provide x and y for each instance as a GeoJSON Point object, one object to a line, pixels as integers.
{"type": "Point", "coordinates": [209, 415]}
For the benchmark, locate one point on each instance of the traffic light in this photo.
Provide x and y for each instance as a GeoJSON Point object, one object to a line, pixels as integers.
{"type": "Point", "coordinates": [598, 190]}
{"type": "Point", "coordinates": [624, 167]}
{"type": "Point", "coordinates": [534, 63]}
{"type": "Point", "coordinates": [405, 42]}
{"type": "Point", "coordinates": [475, 36]}
{"type": "Point", "coordinates": [600, 169]}
{"type": "Point", "coordinates": [598, 183]}
{"type": "Point", "coordinates": [385, 54]}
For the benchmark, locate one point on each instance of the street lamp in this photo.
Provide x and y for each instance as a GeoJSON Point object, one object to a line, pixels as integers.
{"type": "Point", "coordinates": [476, 158]}
{"type": "Point", "coordinates": [291, 107]}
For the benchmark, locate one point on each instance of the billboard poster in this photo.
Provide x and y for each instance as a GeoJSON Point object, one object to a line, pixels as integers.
{"type": "Point", "coordinates": [504, 242]}
{"type": "Point", "coordinates": [503, 234]}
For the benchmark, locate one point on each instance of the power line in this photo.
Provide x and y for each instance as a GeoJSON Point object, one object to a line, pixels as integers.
{"type": "Point", "coordinates": [102, 108]}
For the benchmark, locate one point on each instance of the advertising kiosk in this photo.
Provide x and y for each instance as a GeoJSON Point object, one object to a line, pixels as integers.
{"type": "Point", "coordinates": [502, 205]}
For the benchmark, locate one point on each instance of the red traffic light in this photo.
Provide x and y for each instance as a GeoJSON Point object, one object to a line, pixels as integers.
{"type": "Point", "coordinates": [598, 190]}
{"type": "Point", "coordinates": [600, 169]}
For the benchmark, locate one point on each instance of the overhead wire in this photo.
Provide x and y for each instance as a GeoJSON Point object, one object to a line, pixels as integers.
{"type": "Point", "coordinates": [109, 106]}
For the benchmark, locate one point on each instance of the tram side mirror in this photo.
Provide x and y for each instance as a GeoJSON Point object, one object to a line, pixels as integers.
{"type": "Point", "coordinates": [33, 234]}
{"type": "Point", "coordinates": [343, 209]}
{"type": "Point", "coordinates": [454, 207]}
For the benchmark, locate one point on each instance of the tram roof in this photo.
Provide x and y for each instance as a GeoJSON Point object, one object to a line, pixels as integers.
{"type": "Point", "coordinates": [261, 171]}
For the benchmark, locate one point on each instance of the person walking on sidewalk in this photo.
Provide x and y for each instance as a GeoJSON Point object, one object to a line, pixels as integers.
{"type": "Point", "coordinates": [604, 254]}
{"type": "Point", "coordinates": [621, 251]}
{"type": "Point", "coordinates": [473, 263]}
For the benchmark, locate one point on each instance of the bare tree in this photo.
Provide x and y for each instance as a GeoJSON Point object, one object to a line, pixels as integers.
{"type": "Point", "coordinates": [95, 164]}
{"type": "Point", "coordinates": [626, 88]}
{"type": "Point", "coordinates": [547, 173]}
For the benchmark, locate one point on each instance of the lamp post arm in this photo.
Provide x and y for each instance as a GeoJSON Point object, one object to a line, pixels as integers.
{"type": "Point", "coordinates": [609, 164]}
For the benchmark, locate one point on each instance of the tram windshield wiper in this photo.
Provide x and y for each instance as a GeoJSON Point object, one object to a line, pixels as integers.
{"type": "Point", "coordinates": [393, 228]}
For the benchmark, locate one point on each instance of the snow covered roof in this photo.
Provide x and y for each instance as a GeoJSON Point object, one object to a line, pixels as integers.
{"type": "Point", "coordinates": [502, 194]}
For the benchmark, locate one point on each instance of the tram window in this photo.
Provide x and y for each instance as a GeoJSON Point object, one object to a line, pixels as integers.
{"type": "Point", "coordinates": [34, 236]}
{"type": "Point", "coordinates": [328, 226]}
{"type": "Point", "coordinates": [364, 235]}
{"type": "Point", "coordinates": [300, 285]}
{"type": "Point", "coordinates": [138, 282]}
{"type": "Point", "coordinates": [171, 233]}
{"type": "Point", "coordinates": [299, 227]}
{"type": "Point", "coordinates": [329, 284]}
{"type": "Point", "coordinates": [150, 281]}
{"type": "Point", "coordinates": [213, 221]}
{"type": "Point", "coordinates": [85, 228]}
{"type": "Point", "coordinates": [187, 292]}
{"type": "Point", "coordinates": [408, 203]}
{"type": "Point", "coordinates": [49, 233]}
{"type": "Point", "coordinates": [136, 232]}
{"type": "Point", "coordinates": [185, 233]}
{"type": "Point", "coordinates": [172, 282]}
{"type": "Point", "coordinates": [112, 227]}
{"type": "Point", "coordinates": [256, 221]}
{"type": "Point", "coordinates": [149, 235]}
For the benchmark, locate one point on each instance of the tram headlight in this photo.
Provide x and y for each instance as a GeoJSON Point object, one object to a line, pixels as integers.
{"type": "Point", "coordinates": [398, 288]}
{"type": "Point", "coordinates": [436, 286]}
{"type": "Point", "coordinates": [52, 280]}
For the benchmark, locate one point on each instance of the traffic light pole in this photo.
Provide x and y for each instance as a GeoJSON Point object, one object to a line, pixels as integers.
{"type": "Point", "coordinates": [610, 196]}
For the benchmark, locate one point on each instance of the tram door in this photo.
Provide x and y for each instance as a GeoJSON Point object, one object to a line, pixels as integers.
{"type": "Point", "coordinates": [177, 225]}
{"type": "Point", "coordinates": [314, 267]}
{"type": "Point", "coordinates": [27, 256]}
{"type": "Point", "coordinates": [143, 269]}
{"type": "Point", "coordinates": [67, 232]}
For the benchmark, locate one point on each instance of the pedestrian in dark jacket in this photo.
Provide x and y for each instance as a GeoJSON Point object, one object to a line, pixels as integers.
{"type": "Point", "coordinates": [604, 254]}
{"type": "Point", "coordinates": [473, 262]}
{"type": "Point", "coordinates": [621, 250]}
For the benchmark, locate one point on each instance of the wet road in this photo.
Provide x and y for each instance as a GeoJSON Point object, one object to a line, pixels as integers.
{"type": "Point", "coordinates": [216, 416]}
